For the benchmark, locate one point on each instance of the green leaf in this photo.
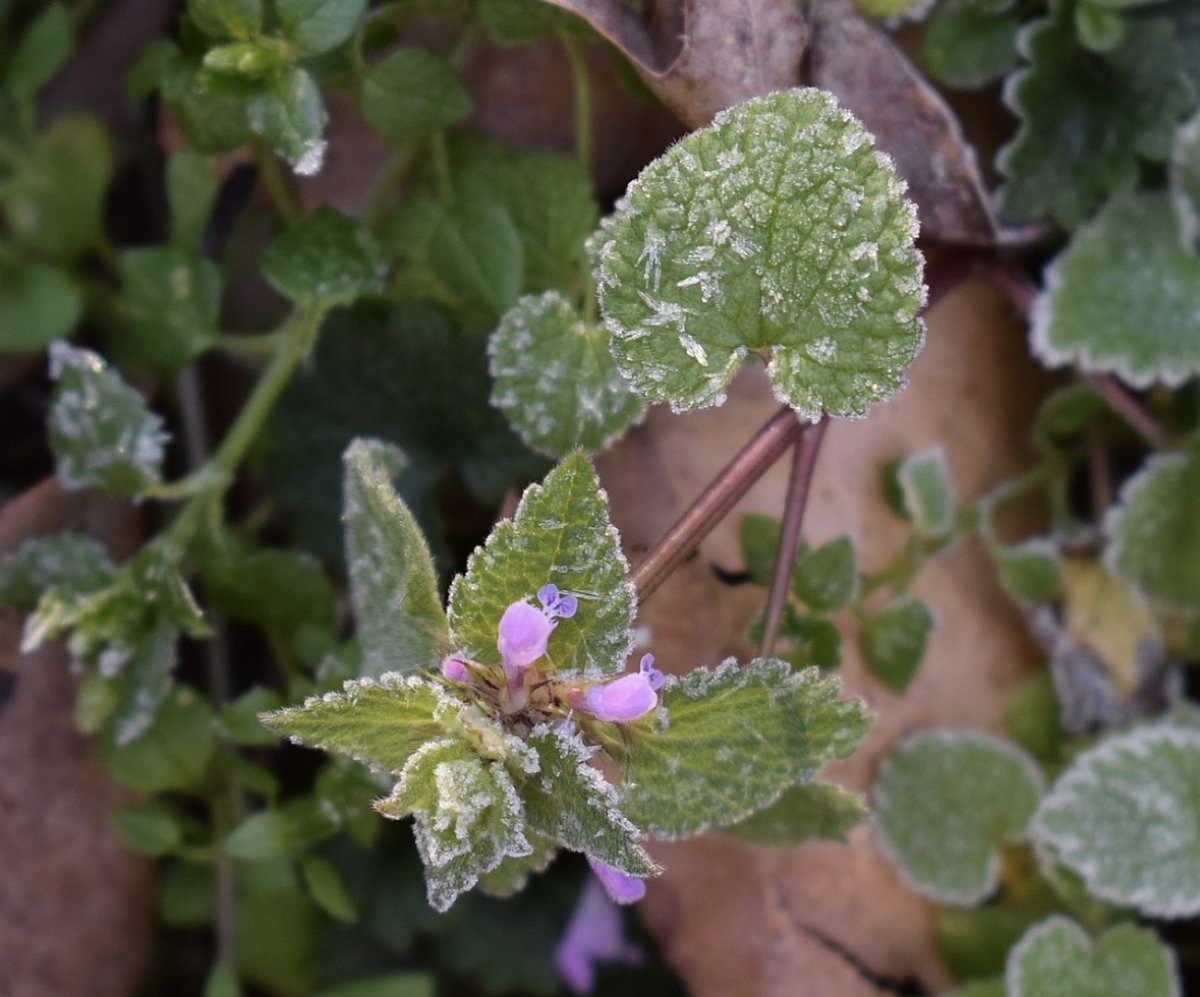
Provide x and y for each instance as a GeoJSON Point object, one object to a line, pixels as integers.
{"type": "Point", "coordinates": [970, 43]}
{"type": "Point", "coordinates": [511, 875]}
{"type": "Point", "coordinates": [894, 641]}
{"type": "Point", "coordinates": [172, 299]}
{"type": "Point", "coordinates": [892, 9]}
{"type": "Point", "coordinates": [173, 754]}
{"type": "Point", "coordinates": [975, 941]}
{"type": "Point", "coordinates": [1032, 716]}
{"type": "Point", "coordinates": [191, 194]}
{"type": "Point", "coordinates": [1031, 571]}
{"type": "Point", "coordinates": [145, 683]}
{"type": "Point", "coordinates": [1184, 175]}
{"type": "Point", "coordinates": [221, 19]}
{"type": "Point", "coordinates": [571, 803]}
{"type": "Point", "coordinates": [222, 982]}
{"type": "Point", "coordinates": [1098, 28]}
{"type": "Point", "coordinates": [511, 22]}
{"type": "Point", "coordinates": [55, 200]}
{"type": "Point", "coordinates": [824, 579]}
{"type": "Point", "coordinates": [39, 303]}
{"type": "Point", "coordinates": [378, 722]}
{"type": "Point", "coordinates": [251, 61]}
{"type": "Point", "coordinates": [239, 720]}
{"type": "Point", "coordinates": [276, 929]}
{"type": "Point", "coordinates": [290, 115]}
{"type": "Point", "coordinates": [556, 380]}
{"type": "Point", "coordinates": [1057, 958]}
{"type": "Point", "coordinates": [70, 562]}
{"type": "Point", "coordinates": [813, 640]}
{"type": "Point", "coordinates": [413, 94]}
{"type": "Point", "coordinates": [320, 25]}
{"type": "Point", "coordinates": [1126, 817]}
{"type": "Point", "coordinates": [101, 432]}
{"type": "Point", "coordinates": [43, 50]}
{"type": "Point", "coordinates": [816, 811]}
{"type": "Point", "coordinates": [212, 122]}
{"type": "Point", "coordinates": [776, 230]}
{"type": "Point", "coordinates": [759, 536]}
{"type": "Point", "coordinates": [926, 492]}
{"type": "Point", "coordinates": [410, 984]}
{"type": "Point", "coordinates": [327, 889]}
{"type": "Point", "coordinates": [944, 801]}
{"type": "Point", "coordinates": [281, 832]}
{"type": "Point", "coordinates": [707, 765]}
{"type": "Point", "coordinates": [324, 260]}
{"type": "Point", "coordinates": [560, 534]}
{"type": "Point", "coordinates": [277, 588]}
{"type": "Point", "coordinates": [1153, 538]}
{"type": "Point", "coordinates": [1121, 297]}
{"type": "Point", "coordinates": [187, 895]}
{"type": "Point", "coordinates": [153, 829]}
{"type": "Point", "coordinates": [1100, 113]}
{"type": "Point", "coordinates": [393, 583]}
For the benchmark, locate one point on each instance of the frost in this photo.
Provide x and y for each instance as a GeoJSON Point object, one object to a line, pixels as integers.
{"type": "Point", "coordinates": [312, 158]}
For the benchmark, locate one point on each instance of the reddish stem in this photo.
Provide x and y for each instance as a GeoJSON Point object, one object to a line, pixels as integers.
{"type": "Point", "coordinates": [1127, 407]}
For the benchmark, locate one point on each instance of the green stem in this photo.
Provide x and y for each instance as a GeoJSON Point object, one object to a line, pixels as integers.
{"type": "Point", "coordinates": [393, 173]}
{"type": "Point", "coordinates": [440, 161]}
{"type": "Point", "coordinates": [275, 183]}
{"type": "Point", "coordinates": [583, 102]}
{"type": "Point", "coordinates": [252, 343]}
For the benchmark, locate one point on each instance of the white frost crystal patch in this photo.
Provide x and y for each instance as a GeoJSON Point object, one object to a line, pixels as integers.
{"type": "Point", "coordinates": [774, 230]}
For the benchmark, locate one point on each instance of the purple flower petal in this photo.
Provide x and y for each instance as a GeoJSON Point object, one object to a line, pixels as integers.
{"type": "Point", "coordinates": [594, 934]}
{"type": "Point", "coordinates": [653, 675]}
{"type": "Point", "coordinates": [455, 670]}
{"type": "Point", "coordinates": [623, 889]}
{"type": "Point", "coordinates": [556, 605]}
{"type": "Point", "coordinates": [622, 700]}
{"type": "Point", "coordinates": [524, 632]}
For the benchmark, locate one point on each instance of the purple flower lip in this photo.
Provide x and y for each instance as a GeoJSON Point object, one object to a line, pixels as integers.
{"type": "Point", "coordinates": [623, 888]}
{"type": "Point", "coordinates": [594, 934]}
{"type": "Point", "coordinates": [524, 633]}
{"type": "Point", "coordinates": [627, 698]}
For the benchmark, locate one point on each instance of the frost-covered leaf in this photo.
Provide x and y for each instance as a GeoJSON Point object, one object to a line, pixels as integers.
{"type": "Point", "coordinates": [732, 741]}
{"type": "Point", "coordinates": [511, 875]}
{"type": "Point", "coordinates": [380, 722]}
{"type": "Point", "coordinates": [945, 801]}
{"type": "Point", "coordinates": [393, 583]}
{"type": "Point", "coordinates": [41, 52]}
{"type": "Point", "coordinates": [1121, 298]}
{"type": "Point", "coordinates": [324, 260]}
{"type": "Point", "coordinates": [970, 43]}
{"type": "Point", "coordinates": [191, 194]}
{"type": "Point", "coordinates": [894, 640]}
{"type": "Point", "coordinates": [71, 562]}
{"type": "Point", "coordinates": [290, 114]}
{"type": "Point", "coordinates": [555, 378]}
{"type": "Point", "coordinates": [777, 231]}
{"type": "Point", "coordinates": [147, 679]}
{"type": "Point", "coordinates": [824, 578]}
{"type": "Point", "coordinates": [813, 639]}
{"type": "Point", "coordinates": [570, 802]}
{"type": "Point", "coordinates": [319, 25]}
{"type": "Point", "coordinates": [1126, 817]}
{"type": "Point", "coordinates": [173, 754]}
{"type": "Point", "coordinates": [1057, 958]}
{"type": "Point", "coordinates": [925, 490]}
{"type": "Point", "coordinates": [171, 299]}
{"type": "Point", "coordinates": [101, 432]}
{"type": "Point", "coordinates": [413, 94]}
{"type": "Point", "coordinates": [1154, 532]}
{"type": "Point", "coordinates": [39, 303]}
{"type": "Point", "coordinates": [560, 534]}
{"type": "Point", "coordinates": [815, 811]}
{"type": "Point", "coordinates": [1098, 112]}
{"type": "Point", "coordinates": [1030, 570]}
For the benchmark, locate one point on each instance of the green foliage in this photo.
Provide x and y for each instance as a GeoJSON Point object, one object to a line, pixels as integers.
{"type": "Point", "coordinates": [925, 491]}
{"type": "Point", "coordinates": [191, 194]}
{"type": "Point", "coordinates": [560, 534]}
{"type": "Point", "coordinates": [775, 231]}
{"type": "Point", "coordinates": [70, 562]}
{"type": "Point", "coordinates": [707, 764]}
{"type": "Point", "coordinates": [1031, 570]}
{"type": "Point", "coordinates": [290, 114]}
{"type": "Point", "coordinates": [319, 25]}
{"type": "Point", "coordinates": [944, 801]}
{"type": "Point", "coordinates": [227, 19]}
{"type": "Point", "coordinates": [152, 829]}
{"type": "Point", "coordinates": [173, 754]}
{"type": "Point", "coordinates": [1184, 174]}
{"type": "Point", "coordinates": [824, 579]}
{"type": "Point", "coordinates": [555, 379]}
{"type": "Point", "coordinates": [894, 640]}
{"type": "Point", "coordinates": [1057, 959]}
{"type": "Point", "coordinates": [411, 95]}
{"type": "Point", "coordinates": [172, 300]}
{"type": "Point", "coordinates": [324, 260]}
{"type": "Point", "coordinates": [42, 51]}
{"type": "Point", "coordinates": [389, 985]}
{"type": "Point", "coordinates": [814, 811]}
{"type": "Point", "coordinates": [511, 22]}
{"type": "Point", "coordinates": [970, 43]}
{"type": "Point", "coordinates": [39, 303]}
{"type": "Point", "coordinates": [1032, 717]}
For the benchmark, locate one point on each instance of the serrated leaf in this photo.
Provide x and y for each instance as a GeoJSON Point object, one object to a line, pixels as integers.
{"type": "Point", "coordinates": [894, 641]}
{"type": "Point", "coordinates": [816, 811]}
{"type": "Point", "coordinates": [1121, 297]}
{"type": "Point", "coordinates": [944, 801]}
{"type": "Point", "coordinates": [776, 230]}
{"type": "Point", "coordinates": [70, 562]}
{"type": "Point", "coordinates": [290, 114]}
{"type": "Point", "coordinates": [191, 194]}
{"type": "Point", "coordinates": [970, 43]}
{"type": "Point", "coordinates": [42, 51]}
{"type": "Point", "coordinates": [222, 19]}
{"type": "Point", "coordinates": [925, 489]}
{"type": "Point", "coordinates": [1100, 113]}
{"type": "Point", "coordinates": [560, 534]}
{"type": "Point", "coordinates": [172, 299]}
{"type": "Point", "coordinates": [101, 432]}
{"type": "Point", "coordinates": [173, 754]}
{"type": "Point", "coordinates": [555, 378]}
{"type": "Point", "coordinates": [824, 578]}
{"type": "Point", "coordinates": [324, 260]}
{"type": "Point", "coordinates": [1057, 958]}
{"type": "Point", "coordinates": [380, 722]}
{"type": "Point", "coordinates": [393, 583]}
{"type": "Point", "coordinates": [511, 875]}
{"type": "Point", "coordinates": [815, 640]}
{"type": "Point", "coordinates": [413, 94]}
{"type": "Point", "coordinates": [1125, 815]}
{"type": "Point", "coordinates": [1153, 538]}
{"type": "Point", "coordinates": [1030, 570]}
{"type": "Point", "coordinates": [39, 303]}
{"type": "Point", "coordinates": [709, 764]}
{"type": "Point", "coordinates": [319, 25]}
{"type": "Point", "coordinates": [571, 803]}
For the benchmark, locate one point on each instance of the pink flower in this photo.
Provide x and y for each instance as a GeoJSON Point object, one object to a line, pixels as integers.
{"type": "Point", "coordinates": [594, 934]}
{"type": "Point", "coordinates": [455, 670]}
{"type": "Point", "coordinates": [627, 698]}
{"type": "Point", "coordinates": [623, 889]}
{"type": "Point", "coordinates": [524, 633]}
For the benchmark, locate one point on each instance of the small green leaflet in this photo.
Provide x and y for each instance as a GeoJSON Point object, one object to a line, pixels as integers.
{"type": "Point", "coordinates": [1153, 534]}
{"type": "Point", "coordinates": [1184, 175]}
{"type": "Point", "coordinates": [1125, 816]}
{"type": "Point", "coordinates": [511, 875]}
{"type": "Point", "coordinates": [1122, 297]}
{"type": "Point", "coordinates": [924, 482]}
{"type": "Point", "coordinates": [560, 534]}
{"type": "Point", "coordinates": [775, 230]}
{"type": "Point", "coordinates": [172, 300]}
{"type": "Point", "coordinates": [815, 811]}
{"type": "Point", "coordinates": [212, 122]}
{"type": "Point", "coordinates": [734, 740]}
{"type": "Point", "coordinates": [894, 640]}
{"type": "Point", "coordinates": [1031, 570]}
{"type": "Point", "coordinates": [41, 52]}
{"type": "Point", "coordinates": [824, 579]}
{"type": "Point", "coordinates": [101, 432]}
{"type": "Point", "coordinates": [393, 583]}
{"type": "Point", "coordinates": [173, 754]}
{"type": "Point", "coordinates": [290, 114]}
{"type": "Point", "coordinates": [72, 562]}
{"type": "Point", "coordinates": [319, 25]}
{"type": "Point", "coordinates": [227, 19]}
{"type": "Point", "coordinates": [556, 380]}
{"type": "Point", "coordinates": [39, 303]}
{"type": "Point", "coordinates": [324, 260]}
{"type": "Point", "coordinates": [970, 43]}
{"type": "Point", "coordinates": [1057, 958]}
{"type": "Point", "coordinates": [413, 94]}
{"type": "Point", "coordinates": [944, 801]}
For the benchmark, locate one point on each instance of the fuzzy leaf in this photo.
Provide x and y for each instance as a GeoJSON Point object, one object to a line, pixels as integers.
{"type": "Point", "coordinates": [815, 811]}
{"type": "Point", "coordinates": [324, 260]}
{"type": "Point", "coordinates": [894, 641]}
{"type": "Point", "coordinates": [944, 801]}
{"type": "Point", "coordinates": [560, 534]}
{"type": "Point", "coordinates": [379, 722]}
{"type": "Point", "coordinates": [101, 432]}
{"type": "Point", "coordinates": [1121, 298]}
{"type": "Point", "coordinates": [1030, 570]}
{"type": "Point", "coordinates": [1126, 817]}
{"type": "Point", "coordinates": [1100, 113]}
{"type": "Point", "coordinates": [290, 114]}
{"type": "Point", "coordinates": [70, 562]}
{"type": "Point", "coordinates": [319, 25]}
{"type": "Point", "coordinates": [511, 875]}
{"type": "Point", "coordinates": [556, 380]}
{"type": "Point", "coordinates": [735, 738]}
{"type": "Point", "coordinates": [925, 489]}
{"type": "Point", "coordinates": [393, 583]}
{"type": "Point", "coordinates": [413, 94]}
{"type": "Point", "coordinates": [172, 299]}
{"type": "Point", "coordinates": [776, 230]}
{"type": "Point", "coordinates": [1154, 533]}
{"type": "Point", "coordinates": [1056, 958]}
{"type": "Point", "coordinates": [970, 43]}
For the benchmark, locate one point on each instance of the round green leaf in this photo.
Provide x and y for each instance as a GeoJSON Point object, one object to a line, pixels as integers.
{"type": "Point", "coordinates": [320, 25]}
{"type": "Point", "coordinates": [776, 231]}
{"type": "Point", "coordinates": [1122, 297]}
{"type": "Point", "coordinates": [413, 94]}
{"type": "Point", "coordinates": [290, 114]}
{"type": "Point", "coordinates": [555, 378]}
{"type": "Point", "coordinates": [1154, 533]}
{"type": "Point", "coordinates": [324, 260]}
{"type": "Point", "coordinates": [39, 303]}
{"type": "Point", "coordinates": [1126, 817]}
{"type": "Point", "coordinates": [1057, 959]}
{"type": "Point", "coordinates": [944, 801]}
{"type": "Point", "coordinates": [894, 640]}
